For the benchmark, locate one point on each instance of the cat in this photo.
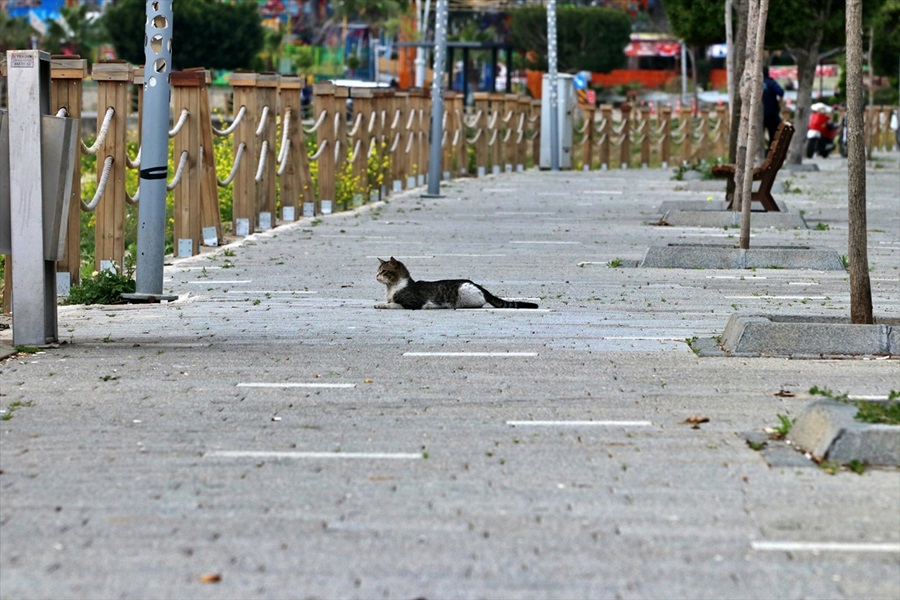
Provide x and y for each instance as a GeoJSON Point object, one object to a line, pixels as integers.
{"type": "Point", "coordinates": [404, 292]}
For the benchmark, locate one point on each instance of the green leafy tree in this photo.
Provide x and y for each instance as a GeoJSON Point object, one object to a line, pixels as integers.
{"type": "Point", "coordinates": [15, 33]}
{"type": "Point", "coordinates": [886, 51]}
{"type": "Point", "coordinates": [75, 33]}
{"type": "Point", "coordinates": [697, 22]}
{"type": "Point", "coordinates": [205, 33]}
{"type": "Point", "coordinates": [803, 27]}
{"type": "Point", "coordinates": [588, 38]}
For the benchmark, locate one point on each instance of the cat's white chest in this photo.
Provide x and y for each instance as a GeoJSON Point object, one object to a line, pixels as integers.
{"type": "Point", "coordinates": [393, 289]}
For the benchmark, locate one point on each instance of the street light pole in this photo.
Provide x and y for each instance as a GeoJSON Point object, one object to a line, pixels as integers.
{"type": "Point", "coordinates": [554, 92]}
{"type": "Point", "coordinates": [154, 152]}
{"type": "Point", "coordinates": [437, 101]}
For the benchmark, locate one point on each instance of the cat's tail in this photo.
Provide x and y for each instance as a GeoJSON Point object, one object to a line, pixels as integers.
{"type": "Point", "coordinates": [501, 303]}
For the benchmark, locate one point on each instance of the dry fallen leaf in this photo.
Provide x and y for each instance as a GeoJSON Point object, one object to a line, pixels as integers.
{"type": "Point", "coordinates": [210, 578]}
{"type": "Point", "coordinates": [785, 394]}
{"type": "Point", "coordinates": [695, 421]}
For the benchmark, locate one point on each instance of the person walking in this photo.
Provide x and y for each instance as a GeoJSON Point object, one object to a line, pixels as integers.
{"type": "Point", "coordinates": [771, 98]}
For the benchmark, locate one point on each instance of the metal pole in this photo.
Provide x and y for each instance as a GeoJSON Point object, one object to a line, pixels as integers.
{"type": "Point", "coordinates": [437, 101]}
{"type": "Point", "coordinates": [684, 73]}
{"type": "Point", "coordinates": [554, 91]}
{"type": "Point", "coordinates": [154, 150]}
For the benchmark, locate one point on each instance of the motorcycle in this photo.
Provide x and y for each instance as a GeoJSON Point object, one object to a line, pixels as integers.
{"type": "Point", "coordinates": [820, 136]}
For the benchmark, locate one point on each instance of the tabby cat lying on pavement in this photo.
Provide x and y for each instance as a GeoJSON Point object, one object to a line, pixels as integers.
{"type": "Point", "coordinates": [404, 292]}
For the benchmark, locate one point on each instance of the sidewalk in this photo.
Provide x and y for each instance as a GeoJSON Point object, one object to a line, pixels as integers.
{"type": "Point", "coordinates": [271, 435]}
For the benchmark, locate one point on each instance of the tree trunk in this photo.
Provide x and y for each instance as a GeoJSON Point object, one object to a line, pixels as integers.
{"type": "Point", "coordinates": [743, 130]}
{"type": "Point", "coordinates": [729, 53]}
{"type": "Point", "coordinates": [756, 38]}
{"type": "Point", "coordinates": [858, 259]}
{"type": "Point", "coordinates": [740, 51]}
{"type": "Point", "coordinates": [806, 59]}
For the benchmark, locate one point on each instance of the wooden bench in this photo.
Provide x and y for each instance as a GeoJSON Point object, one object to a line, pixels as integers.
{"type": "Point", "coordinates": [764, 173]}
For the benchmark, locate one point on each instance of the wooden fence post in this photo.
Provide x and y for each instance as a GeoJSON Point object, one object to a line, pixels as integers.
{"type": "Point", "coordinates": [666, 139]}
{"type": "Point", "coordinates": [722, 128]}
{"type": "Point", "coordinates": [523, 107]}
{"type": "Point", "coordinates": [625, 146]}
{"type": "Point", "coordinates": [113, 79]}
{"type": "Point", "coordinates": [324, 103]}
{"type": "Point", "coordinates": [534, 119]}
{"type": "Point", "coordinates": [606, 134]}
{"type": "Point", "coordinates": [462, 146]}
{"type": "Point", "coordinates": [645, 137]}
{"type": "Point", "coordinates": [266, 189]}
{"type": "Point", "coordinates": [587, 144]}
{"type": "Point", "coordinates": [361, 140]}
{"type": "Point", "coordinates": [686, 119]}
{"type": "Point", "coordinates": [482, 114]}
{"type": "Point", "coordinates": [244, 210]}
{"type": "Point", "coordinates": [67, 75]}
{"type": "Point", "coordinates": [382, 140]}
{"type": "Point", "coordinates": [186, 88]}
{"type": "Point", "coordinates": [419, 102]}
{"type": "Point", "coordinates": [705, 145]}
{"type": "Point", "coordinates": [291, 172]}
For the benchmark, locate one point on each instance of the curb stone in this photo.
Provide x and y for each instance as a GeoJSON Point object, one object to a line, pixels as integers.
{"type": "Point", "coordinates": [827, 430]}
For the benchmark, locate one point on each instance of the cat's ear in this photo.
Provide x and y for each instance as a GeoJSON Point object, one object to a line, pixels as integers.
{"type": "Point", "coordinates": [380, 261]}
{"type": "Point", "coordinates": [393, 261]}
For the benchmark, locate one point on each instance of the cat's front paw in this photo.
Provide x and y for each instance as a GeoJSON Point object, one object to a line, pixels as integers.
{"type": "Point", "coordinates": [389, 305]}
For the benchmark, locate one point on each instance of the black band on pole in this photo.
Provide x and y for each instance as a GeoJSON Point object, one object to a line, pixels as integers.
{"type": "Point", "coordinates": [154, 173]}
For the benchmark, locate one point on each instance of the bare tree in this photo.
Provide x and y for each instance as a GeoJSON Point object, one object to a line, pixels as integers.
{"type": "Point", "coordinates": [751, 88]}
{"type": "Point", "coordinates": [858, 258]}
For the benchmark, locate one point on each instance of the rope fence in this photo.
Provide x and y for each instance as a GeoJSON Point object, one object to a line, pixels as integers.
{"type": "Point", "coordinates": [362, 144]}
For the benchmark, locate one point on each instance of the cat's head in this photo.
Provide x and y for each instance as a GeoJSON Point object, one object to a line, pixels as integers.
{"type": "Point", "coordinates": [391, 271]}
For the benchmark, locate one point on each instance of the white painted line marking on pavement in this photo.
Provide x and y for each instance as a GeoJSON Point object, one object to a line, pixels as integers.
{"type": "Point", "coordinates": [473, 255]}
{"type": "Point", "coordinates": [287, 384]}
{"type": "Point", "coordinates": [304, 292]}
{"type": "Point", "coordinates": [465, 354]}
{"type": "Point", "coordinates": [272, 454]}
{"type": "Point", "coordinates": [823, 547]}
{"type": "Point", "coordinates": [644, 337]}
{"type": "Point", "coordinates": [517, 312]}
{"type": "Point", "coordinates": [741, 277]}
{"type": "Point", "coordinates": [869, 398]}
{"type": "Point", "coordinates": [523, 213]}
{"type": "Point", "coordinates": [407, 257]}
{"type": "Point", "coordinates": [599, 192]}
{"type": "Point", "coordinates": [220, 281]}
{"type": "Point", "coordinates": [803, 283]}
{"type": "Point", "coordinates": [764, 297]}
{"type": "Point", "coordinates": [542, 242]}
{"type": "Point", "coordinates": [579, 423]}
{"type": "Point", "coordinates": [368, 237]}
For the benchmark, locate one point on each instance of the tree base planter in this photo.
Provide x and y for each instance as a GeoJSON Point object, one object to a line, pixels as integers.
{"type": "Point", "coordinates": [730, 218]}
{"type": "Point", "coordinates": [715, 256]}
{"type": "Point", "coordinates": [808, 337]}
{"type": "Point", "coordinates": [827, 430]}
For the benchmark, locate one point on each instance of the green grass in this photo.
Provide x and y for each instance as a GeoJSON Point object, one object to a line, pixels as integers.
{"type": "Point", "coordinates": [13, 407]}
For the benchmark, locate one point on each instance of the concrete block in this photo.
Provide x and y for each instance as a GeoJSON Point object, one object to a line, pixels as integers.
{"type": "Point", "coordinates": [828, 431]}
{"type": "Point", "coordinates": [730, 218]}
{"type": "Point", "coordinates": [714, 256]}
{"type": "Point", "coordinates": [807, 337]}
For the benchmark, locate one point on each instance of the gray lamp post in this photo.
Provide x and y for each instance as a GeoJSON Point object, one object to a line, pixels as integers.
{"type": "Point", "coordinates": [437, 101]}
{"type": "Point", "coordinates": [154, 152]}
{"type": "Point", "coordinates": [554, 92]}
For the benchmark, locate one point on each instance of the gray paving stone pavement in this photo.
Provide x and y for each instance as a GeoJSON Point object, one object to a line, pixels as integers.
{"type": "Point", "coordinates": [273, 429]}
